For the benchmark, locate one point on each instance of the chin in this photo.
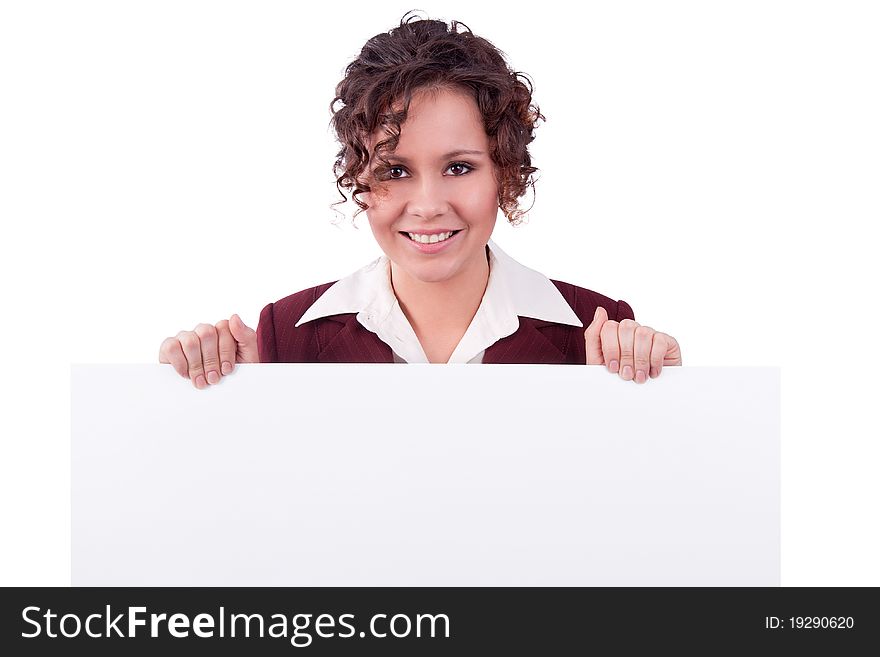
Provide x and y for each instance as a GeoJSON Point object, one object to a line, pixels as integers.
{"type": "Point", "coordinates": [430, 274]}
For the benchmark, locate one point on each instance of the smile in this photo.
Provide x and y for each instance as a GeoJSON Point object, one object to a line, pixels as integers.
{"type": "Point", "coordinates": [430, 239]}
{"type": "Point", "coordinates": [431, 243]}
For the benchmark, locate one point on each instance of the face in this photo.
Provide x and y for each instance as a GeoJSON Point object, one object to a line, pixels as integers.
{"type": "Point", "coordinates": [432, 189]}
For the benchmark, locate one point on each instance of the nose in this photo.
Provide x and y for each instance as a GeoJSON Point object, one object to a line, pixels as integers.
{"type": "Point", "coordinates": [428, 198]}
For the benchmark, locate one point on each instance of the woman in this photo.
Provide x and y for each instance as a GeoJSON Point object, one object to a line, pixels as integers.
{"type": "Point", "coordinates": [434, 129]}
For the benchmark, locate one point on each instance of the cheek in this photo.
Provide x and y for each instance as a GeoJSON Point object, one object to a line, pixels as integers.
{"type": "Point", "coordinates": [481, 200]}
{"type": "Point", "coordinates": [379, 201]}
{"type": "Point", "coordinates": [380, 223]}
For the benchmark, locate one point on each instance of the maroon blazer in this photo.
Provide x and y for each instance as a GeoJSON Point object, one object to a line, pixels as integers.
{"type": "Point", "coordinates": [343, 339]}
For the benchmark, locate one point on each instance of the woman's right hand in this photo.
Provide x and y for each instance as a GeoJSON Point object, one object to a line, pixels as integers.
{"type": "Point", "coordinates": [208, 352]}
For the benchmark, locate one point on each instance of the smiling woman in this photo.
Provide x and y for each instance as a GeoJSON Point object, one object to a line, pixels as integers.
{"type": "Point", "coordinates": [427, 194]}
{"type": "Point", "coordinates": [434, 129]}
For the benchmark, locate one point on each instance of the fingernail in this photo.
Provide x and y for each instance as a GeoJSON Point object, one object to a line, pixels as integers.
{"type": "Point", "coordinates": [226, 367]}
{"type": "Point", "coordinates": [614, 366]}
{"type": "Point", "coordinates": [641, 377]}
{"type": "Point", "coordinates": [627, 372]}
{"type": "Point", "coordinates": [213, 377]}
{"type": "Point", "coordinates": [200, 382]}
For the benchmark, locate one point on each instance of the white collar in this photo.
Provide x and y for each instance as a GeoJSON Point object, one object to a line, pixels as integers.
{"type": "Point", "coordinates": [523, 291]}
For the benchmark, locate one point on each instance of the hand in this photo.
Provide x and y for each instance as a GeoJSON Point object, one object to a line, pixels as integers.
{"type": "Point", "coordinates": [206, 352]}
{"type": "Point", "coordinates": [634, 350]}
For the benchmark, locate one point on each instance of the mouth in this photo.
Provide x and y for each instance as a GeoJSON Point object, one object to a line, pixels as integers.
{"type": "Point", "coordinates": [433, 247]}
{"type": "Point", "coordinates": [450, 234]}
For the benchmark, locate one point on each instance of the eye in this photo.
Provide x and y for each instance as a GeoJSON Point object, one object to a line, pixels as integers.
{"type": "Point", "coordinates": [467, 168]}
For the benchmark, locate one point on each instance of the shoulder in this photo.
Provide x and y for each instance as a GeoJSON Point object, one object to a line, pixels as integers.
{"type": "Point", "coordinates": [570, 339]}
{"type": "Point", "coordinates": [278, 337]}
{"type": "Point", "coordinates": [294, 306]}
{"type": "Point", "coordinates": [584, 303]}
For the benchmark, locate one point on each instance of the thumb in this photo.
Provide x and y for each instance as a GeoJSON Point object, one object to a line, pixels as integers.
{"type": "Point", "coordinates": [593, 339]}
{"type": "Point", "coordinates": [246, 341]}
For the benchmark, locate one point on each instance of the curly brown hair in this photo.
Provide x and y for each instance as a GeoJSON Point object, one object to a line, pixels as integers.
{"type": "Point", "coordinates": [425, 54]}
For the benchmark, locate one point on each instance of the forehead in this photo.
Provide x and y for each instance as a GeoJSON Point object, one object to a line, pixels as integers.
{"type": "Point", "coordinates": [440, 119]}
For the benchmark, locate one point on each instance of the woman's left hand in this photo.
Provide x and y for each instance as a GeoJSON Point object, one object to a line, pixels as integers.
{"type": "Point", "coordinates": [627, 347]}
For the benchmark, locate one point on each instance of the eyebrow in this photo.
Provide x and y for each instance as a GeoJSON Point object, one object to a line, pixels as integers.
{"type": "Point", "coordinates": [446, 156]}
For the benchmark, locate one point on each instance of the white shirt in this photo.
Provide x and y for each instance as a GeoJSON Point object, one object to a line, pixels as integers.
{"type": "Point", "coordinates": [512, 291]}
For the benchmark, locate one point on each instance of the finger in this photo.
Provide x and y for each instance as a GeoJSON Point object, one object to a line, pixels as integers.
{"type": "Point", "coordinates": [226, 346]}
{"type": "Point", "coordinates": [673, 351]}
{"type": "Point", "coordinates": [171, 352]}
{"type": "Point", "coordinates": [210, 351]}
{"type": "Point", "coordinates": [658, 350]}
{"type": "Point", "coordinates": [610, 345]}
{"type": "Point", "coordinates": [192, 350]}
{"type": "Point", "coordinates": [642, 340]}
{"type": "Point", "coordinates": [626, 335]}
{"type": "Point", "coordinates": [593, 337]}
{"type": "Point", "coordinates": [246, 339]}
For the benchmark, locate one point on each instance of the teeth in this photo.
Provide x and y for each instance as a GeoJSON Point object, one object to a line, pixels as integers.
{"type": "Point", "coordinates": [429, 239]}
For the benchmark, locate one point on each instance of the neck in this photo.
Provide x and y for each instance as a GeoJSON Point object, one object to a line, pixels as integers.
{"type": "Point", "coordinates": [444, 305]}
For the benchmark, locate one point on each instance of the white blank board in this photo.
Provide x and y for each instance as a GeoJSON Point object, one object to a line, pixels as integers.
{"type": "Point", "coordinates": [427, 475]}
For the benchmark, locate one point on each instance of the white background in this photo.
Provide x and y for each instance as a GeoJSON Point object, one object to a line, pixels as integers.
{"type": "Point", "coordinates": [713, 164]}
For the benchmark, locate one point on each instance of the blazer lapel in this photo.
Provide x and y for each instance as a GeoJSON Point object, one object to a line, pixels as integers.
{"type": "Point", "coordinates": [354, 344]}
{"type": "Point", "coordinates": [527, 345]}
